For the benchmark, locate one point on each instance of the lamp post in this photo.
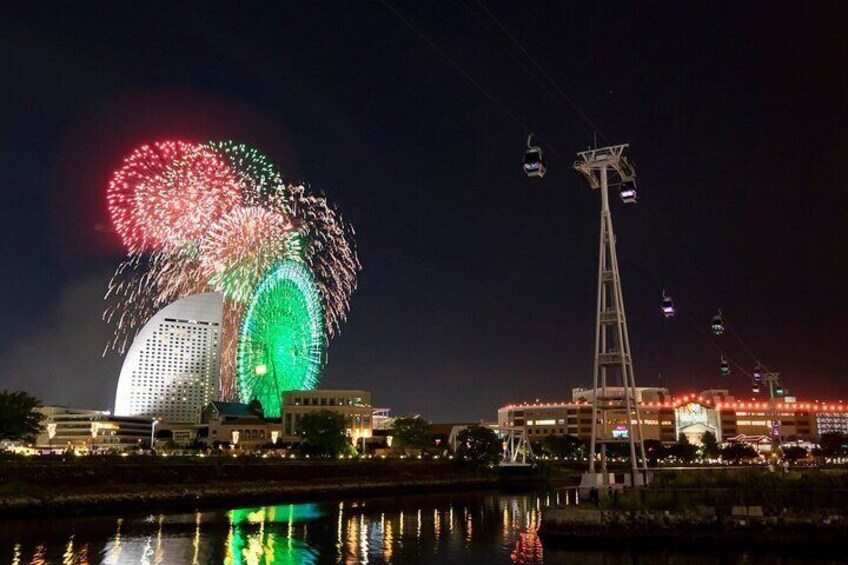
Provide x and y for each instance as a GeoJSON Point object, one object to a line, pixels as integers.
{"type": "Point", "coordinates": [94, 427]}
{"type": "Point", "coordinates": [153, 433]}
{"type": "Point", "coordinates": [51, 433]}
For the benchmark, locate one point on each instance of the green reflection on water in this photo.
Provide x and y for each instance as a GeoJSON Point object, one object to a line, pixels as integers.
{"type": "Point", "coordinates": [265, 535]}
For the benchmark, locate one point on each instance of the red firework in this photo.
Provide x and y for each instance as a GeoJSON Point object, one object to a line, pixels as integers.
{"type": "Point", "coordinates": [167, 194]}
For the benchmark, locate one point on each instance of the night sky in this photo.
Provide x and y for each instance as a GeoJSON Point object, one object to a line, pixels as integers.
{"type": "Point", "coordinates": [479, 284]}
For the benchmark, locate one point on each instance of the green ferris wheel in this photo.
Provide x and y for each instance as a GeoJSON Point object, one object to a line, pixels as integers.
{"type": "Point", "coordinates": [281, 340]}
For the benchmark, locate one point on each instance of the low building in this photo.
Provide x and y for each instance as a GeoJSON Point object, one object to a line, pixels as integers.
{"type": "Point", "coordinates": [541, 419]}
{"type": "Point", "coordinates": [833, 419]}
{"type": "Point", "coordinates": [238, 425]}
{"type": "Point", "coordinates": [354, 405]}
{"type": "Point", "coordinates": [665, 418]}
{"type": "Point", "coordinates": [75, 428]}
{"type": "Point", "coordinates": [643, 394]}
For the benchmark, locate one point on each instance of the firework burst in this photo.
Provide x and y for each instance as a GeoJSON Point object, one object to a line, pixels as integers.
{"type": "Point", "coordinates": [243, 245]}
{"type": "Point", "coordinates": [218, 217]}
{"type": "Point", "coordinates": [167, 194]}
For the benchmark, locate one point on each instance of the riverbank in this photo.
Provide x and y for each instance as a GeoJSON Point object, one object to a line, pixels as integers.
{"type": "Point", "coordinates": [803, 506]}
{"type": "Point", "coordinates": [592, 527]}
{"type": "Point", "coordinates": [103, 486]}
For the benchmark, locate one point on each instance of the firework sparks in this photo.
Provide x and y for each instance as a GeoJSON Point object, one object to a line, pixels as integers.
{"type": "Point", "coordinates": [167, 195]}
{"type": "Point", "coordinates": [219, 217]}
{"type": "Point", "coordinates": [243, 245]}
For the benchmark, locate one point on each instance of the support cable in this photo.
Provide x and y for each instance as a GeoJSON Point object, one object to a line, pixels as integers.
{"type": "Point", "coordinates": [557, 89]}
{"type": "Point", "coordinates": [469, 77]}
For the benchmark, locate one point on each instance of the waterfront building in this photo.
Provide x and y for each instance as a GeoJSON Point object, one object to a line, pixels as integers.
{"type": "Point", "coordinates": [171, 369]}
{"type": "Point", "coordinates": [75, 428]}
{"type": "Point", "coordinates": [643, 394]}
{"type": "Point", "coordinates": [354, 405]}
{"type": "Point", "coordinates": [574, 418]}
{"type": "Point", "coordinates": [665, 418]}
{"type": "Point", "coordinates": [832, 418]}
{"type": "Point", "coordinates": [239, 425]}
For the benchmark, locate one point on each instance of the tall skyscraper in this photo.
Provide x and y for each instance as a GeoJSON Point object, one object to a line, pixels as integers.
{"type": "Point", "coordinates": [171, 369]}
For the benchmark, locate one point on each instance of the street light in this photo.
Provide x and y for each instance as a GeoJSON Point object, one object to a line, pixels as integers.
{"type": "Point", "coordinates": [153, 432]}
{"type": "Point", "coordinates": [51, 433]}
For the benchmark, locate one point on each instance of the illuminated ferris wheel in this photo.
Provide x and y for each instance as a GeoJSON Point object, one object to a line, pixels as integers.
{"type": "Point", "coordinates": [281, 345]}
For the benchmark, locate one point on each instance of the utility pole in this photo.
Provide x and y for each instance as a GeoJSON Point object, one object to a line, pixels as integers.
{"type": "Point", "coordinates": [600, 168]}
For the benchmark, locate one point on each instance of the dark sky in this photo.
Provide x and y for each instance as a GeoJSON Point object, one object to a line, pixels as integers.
{"type": "Point", "coordinates": [478, 285]}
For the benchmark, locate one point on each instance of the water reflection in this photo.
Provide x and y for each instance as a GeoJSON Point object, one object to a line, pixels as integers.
{"type": "Point", "coordinates": [271, 534]}
{"type": "Point", "coordinates": [449, 528]}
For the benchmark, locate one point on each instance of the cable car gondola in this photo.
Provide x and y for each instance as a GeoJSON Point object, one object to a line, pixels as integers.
{"type": "Point", "coordinates": [667, 305]}
{"type": "Point", "coordinates": [717, 324]}
{"type": "Point", "coordinates": [757, 380]}
{"type": "Point", "coordinates": [725, 366]}
{"type": "Point", "coordinates": [627, 191]}
{"type": "Point", "coordinates": [534, 160]}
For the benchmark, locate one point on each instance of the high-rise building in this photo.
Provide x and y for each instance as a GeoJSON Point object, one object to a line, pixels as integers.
{"type": "Point", "coordinates": [171, 369]}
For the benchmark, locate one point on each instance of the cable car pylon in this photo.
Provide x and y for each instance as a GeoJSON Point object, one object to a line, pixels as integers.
{"type": "Point", "coordinates": [599, 168]}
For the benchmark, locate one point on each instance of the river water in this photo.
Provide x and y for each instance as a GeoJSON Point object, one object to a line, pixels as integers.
{"type": "Point", "coordinates": [481, 527]}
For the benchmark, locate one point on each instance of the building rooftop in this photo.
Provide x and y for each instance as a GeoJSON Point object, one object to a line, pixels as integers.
{"type": "Point", "coordinates": [233, 409]}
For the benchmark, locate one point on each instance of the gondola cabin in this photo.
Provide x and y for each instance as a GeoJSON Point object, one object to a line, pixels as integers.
{"type": "Point", "coordinates": [667, 306]}
{"type": "Point", "coordinates": [627, 191]}
{"type": "Point", "coordinates": [717, 324]}
{"type": "Point", "coordinates": [534, 162]}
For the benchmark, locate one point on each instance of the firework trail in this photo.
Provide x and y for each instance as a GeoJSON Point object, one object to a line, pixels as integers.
{"type": "Point", "coordinates": [218, 217]}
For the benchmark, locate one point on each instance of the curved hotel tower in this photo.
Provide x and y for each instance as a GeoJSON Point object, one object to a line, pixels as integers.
{"type": "Point", "coordinates": [171, 370]}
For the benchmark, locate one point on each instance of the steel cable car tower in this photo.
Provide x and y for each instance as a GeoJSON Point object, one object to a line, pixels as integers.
{"type": "Point", "coordinates": [599, 168]}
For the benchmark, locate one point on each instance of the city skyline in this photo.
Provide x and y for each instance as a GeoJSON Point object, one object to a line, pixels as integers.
{"type": "Point", "coordinates": [478, 287]}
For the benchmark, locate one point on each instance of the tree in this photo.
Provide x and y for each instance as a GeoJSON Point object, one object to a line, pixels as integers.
{"type": "Point", "coordinates": [439, 443]}
{"type": "Point", "coordinates": [654, 451]}
{"type": "Point", "coordinates": [737, 452]}
{"type": "Point", "coordinates": [833, 444]}
{"type": "Point", "coordinates": [683, 450]}
{"type": "Point", "coordinates": [563, 446]}
{"type": "Point", "coordinates": [255, 407]}
{"type": "Point", "coordinates": [709, 446]}
{"type": "Point", "coordinates": [794, 453]}
{"type": "Point", "coordinates": [479, 445]}
{"type": "Point", "coordinates": [323, 433]}
{"type": "Point", "coordinates": [19, 416]}
{"type": "Point", "coordinates": [410, 433]}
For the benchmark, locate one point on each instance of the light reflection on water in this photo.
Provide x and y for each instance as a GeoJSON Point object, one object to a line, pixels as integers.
{"type": "Point", "coordinates": [447, 528]}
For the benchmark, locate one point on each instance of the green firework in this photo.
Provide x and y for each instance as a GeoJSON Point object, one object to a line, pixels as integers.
{"type": "Point", "coordinates": [281, 342]}
{"type": "Point", "coordinates": [259, 175]}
